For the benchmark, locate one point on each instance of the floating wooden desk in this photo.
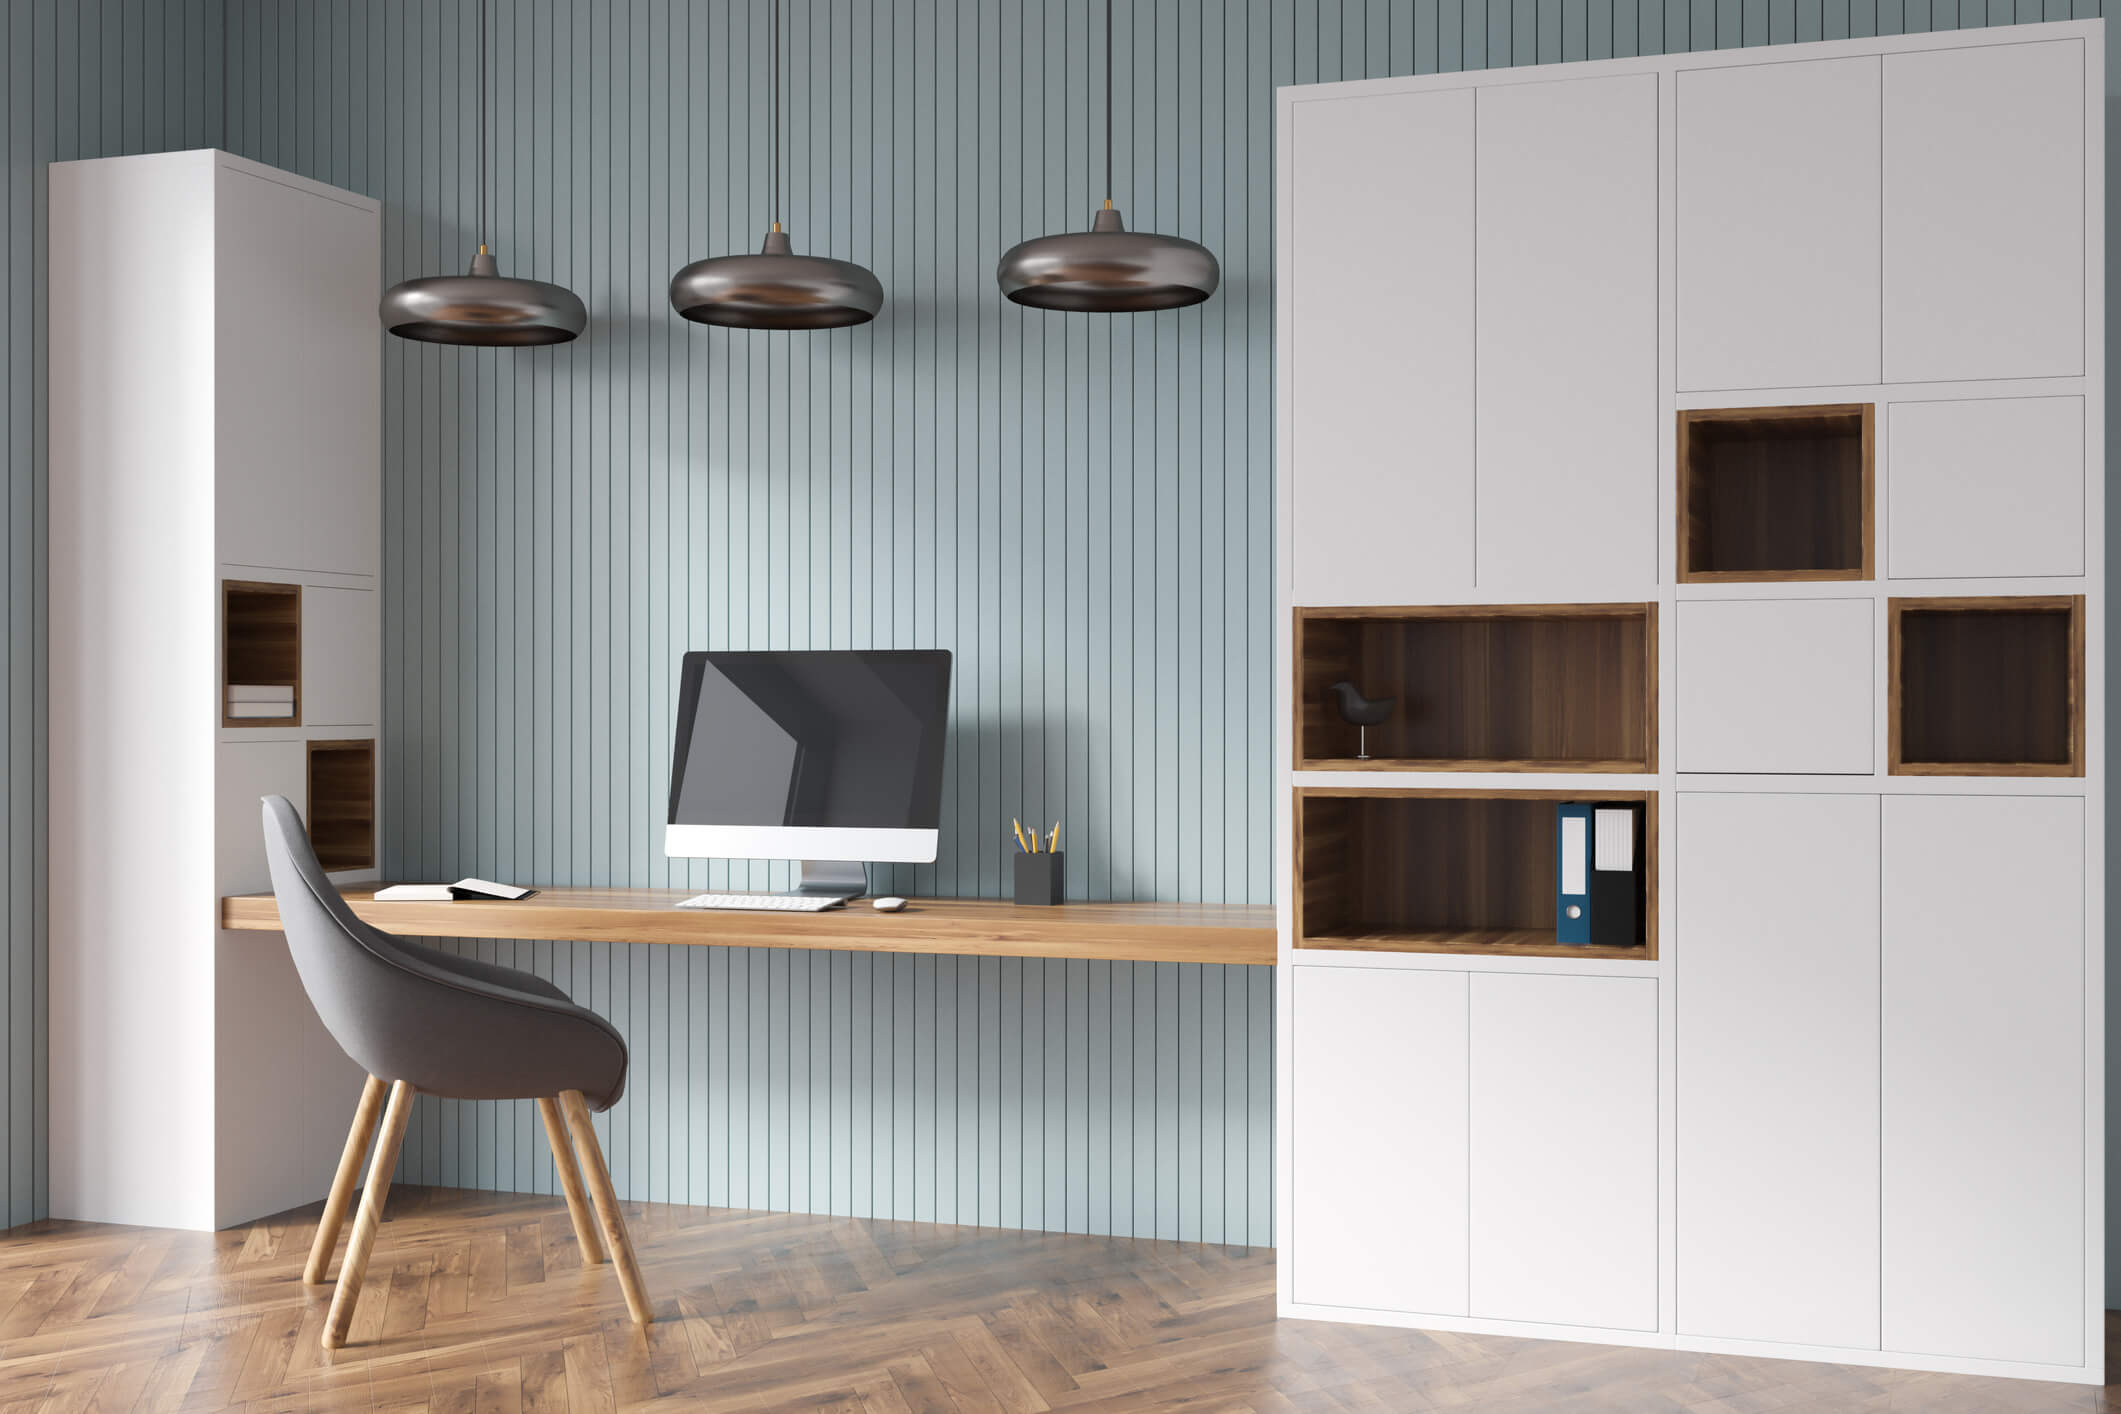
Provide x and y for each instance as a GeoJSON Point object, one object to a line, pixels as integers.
{"type": "Point", "coordinates": [1120, 932]}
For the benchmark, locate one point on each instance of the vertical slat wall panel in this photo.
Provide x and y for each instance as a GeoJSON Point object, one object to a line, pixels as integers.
{"type": "Point", "coordinates": [78, 78]}
{"type": "Point", "coordinates": [1079, 507]}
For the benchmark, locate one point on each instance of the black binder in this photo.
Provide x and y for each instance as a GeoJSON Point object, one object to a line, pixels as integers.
{"type": "Point", "coordinates": [1618, 855]}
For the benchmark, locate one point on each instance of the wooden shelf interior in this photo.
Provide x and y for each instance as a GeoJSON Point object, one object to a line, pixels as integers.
{"type": "Point", "coordinates": [342, 803]}
{"type": "Point", "coordinates": [261, 644]}
{"type": "Point", "coordinates": [1775, 493]}
{"type": "Point", "coordinates": [1443, 871]}
{"type": "Point", "coordinates": [1563, 687]}
{"type": "Point", "coordinates": [1987, 686]}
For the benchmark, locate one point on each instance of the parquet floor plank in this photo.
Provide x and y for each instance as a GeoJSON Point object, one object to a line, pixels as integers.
{"type": "Point", "coordinates": [479, 1303]}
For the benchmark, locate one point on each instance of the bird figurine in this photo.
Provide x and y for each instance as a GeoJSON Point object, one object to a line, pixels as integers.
{"type": "Point", "coordinates": [1362, 713]}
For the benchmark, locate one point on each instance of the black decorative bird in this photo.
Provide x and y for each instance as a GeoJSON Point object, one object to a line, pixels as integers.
{"type": "Point", "coordinates": [1361, 713]}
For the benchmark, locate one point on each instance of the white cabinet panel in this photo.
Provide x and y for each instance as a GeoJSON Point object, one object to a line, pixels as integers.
{"type": "Point", "coordinates": [1382, 368]}
{"type": "Point", "coordinates": [1985, 487]}
{"type": "Point", "coordinates": [1984, 212]}
{"type": "Point", "coordinates": [1775, 685]}
{"type": "Point", "coordinates": [1983, 1088]}
{"type": "Point", "coordinates": [1378, 1139]}
{"type": "Point", "coordinates": [1777, 949]}
{"type": "Point", "coordinates": [1778, 224]}
{"type": "Point", "coordinates": [250, 771]}
{"type": "Point", "coordinates": [299, 378]}
{"type": "Point", "coordinates": [1565, 1082]}
{"type": "Point", "coordinates": [1567, 320]}
{"type": "Point", "coordinates": [342, 657]}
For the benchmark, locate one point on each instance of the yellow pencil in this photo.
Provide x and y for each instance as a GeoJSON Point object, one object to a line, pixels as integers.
{"type": "Point", "coordinates": [1053, 845]}
{"type": "Point", "coordinates": [1018, 826]}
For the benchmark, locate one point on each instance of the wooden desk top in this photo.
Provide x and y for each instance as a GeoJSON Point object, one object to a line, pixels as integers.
{"type": "Point", "coordinates": [1124, 932]}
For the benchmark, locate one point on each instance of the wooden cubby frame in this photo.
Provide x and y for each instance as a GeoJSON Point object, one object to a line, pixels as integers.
{"type": "Point", "coordinates": [341, 812]}
{"type": "Point", "coordinates": [1527, 681]}
{"type": "Point", "coordinates": [1850, 422]}
{"type": "Point", "coordinates": [1530, 877]}
{"type": "Point", "coordinates": [261, 635]}
{"type": "Point", "coordinates": [2060, 655]}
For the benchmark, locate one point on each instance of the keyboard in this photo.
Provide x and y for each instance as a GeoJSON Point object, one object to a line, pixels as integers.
{"type": "Point", "coordinates": [765, 903]}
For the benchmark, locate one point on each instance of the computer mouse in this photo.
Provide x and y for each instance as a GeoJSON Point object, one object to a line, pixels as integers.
{"type": "Point", "coordinates": [889, 904]}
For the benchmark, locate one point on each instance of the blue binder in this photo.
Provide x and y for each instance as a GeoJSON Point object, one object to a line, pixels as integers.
{"type": "Point", "coordinates": [1572, 875]}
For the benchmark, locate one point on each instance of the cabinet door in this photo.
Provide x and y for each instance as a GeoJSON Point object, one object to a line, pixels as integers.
{"type": "Point", "coordinates": [1381, 337]}
{"type": "Point", "coordinates": [1378, 1141]}
{"type": "Point", "coordinates": [1567, 346]}
{"type": "Point", "coordinates": [249, 771]}
{"type": "Point", "coordinates": [342, 657]}
{"type": "Point", "coordinates": [1984, 212]}
{"type": "Point", "coordinates": [1778, 224]}
{"type": "Point", "coordinates": [1777, 948]}
{"type": "Point", "coordinates": [1775, 686]}
{"type": "Point", "coordinates": [1565, 1083]}
{"type": "Point", "coordinates": [1984, 1077]}
{"type": "Point", "coordinates": [1985, 487]}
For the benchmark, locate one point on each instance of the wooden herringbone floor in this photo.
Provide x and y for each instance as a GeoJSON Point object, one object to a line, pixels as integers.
{"type": "Point", "coordinates": [478, 1304]}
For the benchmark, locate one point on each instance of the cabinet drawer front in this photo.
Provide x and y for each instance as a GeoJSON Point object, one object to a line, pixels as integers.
{"type": "Point", "coordinates": [1378, 1140]}
{"type": "Point", "coordinates": [1983, 1089]}
{"type": "Point", "coordinates": [1986, 487]}
{"type": "Point", "coordinates": [1777, 946]}
{"type": "Point", "coordinates": [1781, 685]}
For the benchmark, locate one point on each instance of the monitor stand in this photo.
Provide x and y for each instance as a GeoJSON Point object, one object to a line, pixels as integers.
{"type": "Point", "coordinates": [833, 878]}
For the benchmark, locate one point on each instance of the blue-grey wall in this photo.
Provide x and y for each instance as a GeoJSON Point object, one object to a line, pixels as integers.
{"type": "Point", "coordinates": [1078, 506]}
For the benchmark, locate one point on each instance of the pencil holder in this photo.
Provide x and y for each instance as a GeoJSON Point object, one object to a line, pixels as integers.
{"type": "Point", "coordinates": [1038, 878]}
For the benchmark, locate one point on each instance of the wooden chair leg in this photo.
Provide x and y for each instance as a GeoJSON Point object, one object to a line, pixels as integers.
{"type": "Point", "coordinates": [342, 1182]}
{"type": "Point", "coordinates": [598, 1178]}
{"type": "Point", "coordinates": [585, 1230]}
{"type": "Point", "coordinates": [355, 1267]}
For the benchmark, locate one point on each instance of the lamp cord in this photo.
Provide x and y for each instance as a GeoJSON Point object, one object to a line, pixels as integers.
{"type": "Point", "coordinates": [1108, 102]}
{"type": "Point", "coordinates": [482, 125]}
{"type": "Point", "coordinates": [774, 179]}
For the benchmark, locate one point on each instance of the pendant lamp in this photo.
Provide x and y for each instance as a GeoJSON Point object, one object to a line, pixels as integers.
{"type": "Point", "coordinates": [1108, 269]}
{"type": "Point", "coordinates": [482, 307]}
{"type": "Point", "coordinates": [776, 289]}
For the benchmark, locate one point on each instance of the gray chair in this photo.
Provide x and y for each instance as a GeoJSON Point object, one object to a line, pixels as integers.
{"type": "Point", "coordinates": [419, 1019]}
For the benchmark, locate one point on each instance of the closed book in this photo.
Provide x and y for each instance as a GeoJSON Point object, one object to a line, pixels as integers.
{"type": "Point", "coordinates": [260, 692]}
{"type": "Point", "coordinates": [1618, 854]}
{"type": "Point", "coordinates": [269, 710]}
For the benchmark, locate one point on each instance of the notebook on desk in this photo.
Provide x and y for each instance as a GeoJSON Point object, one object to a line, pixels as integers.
{"type": "Point", "coordinates": [450, 893]}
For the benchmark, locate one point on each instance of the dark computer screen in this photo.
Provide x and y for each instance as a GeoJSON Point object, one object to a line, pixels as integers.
{"type": "Point", "coordinates": [847, 740]}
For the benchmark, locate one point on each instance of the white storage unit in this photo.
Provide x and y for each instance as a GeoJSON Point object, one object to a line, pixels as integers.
{"type": "Point", "coordinates": [1839, 1094]}
{"type": "Point", "coordinates": [216, 496]}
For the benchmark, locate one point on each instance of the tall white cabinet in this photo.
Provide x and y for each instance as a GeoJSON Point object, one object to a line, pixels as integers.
{"type": "Point", "coordinates": [216, 499]}
{"type": "Point", "coordinates": [1710, 440]}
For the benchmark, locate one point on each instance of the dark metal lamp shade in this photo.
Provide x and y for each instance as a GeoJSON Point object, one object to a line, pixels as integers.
{"type": "Point", "coordinates": [482, 308]}
{"type": "Point", "coordinates": [1108, 269]}
{"type": "Point", "coordinates": [776, 289]}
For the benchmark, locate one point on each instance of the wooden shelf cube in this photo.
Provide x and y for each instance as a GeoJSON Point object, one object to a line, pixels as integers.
{"type": "Point", "coordinates": [1776, 494]}
{"type": "Point", "coordinates": [342, 803]}
{"type": "Point", "coordinates": [1987, 687]}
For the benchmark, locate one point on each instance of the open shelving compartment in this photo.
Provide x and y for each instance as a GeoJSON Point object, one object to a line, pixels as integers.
{"type": "Point", "coordinates": [1986, 687]}
{"type": "Point", "coordinates": [261, 646]}
{"type": "Point", "coordinates": [1776, 493]}
{"type": "Point", "coordinates": [342, 803]}
{"type": "Point", "coordinates": [1445, 871]}
{"type": "Point", "coordinates": [1517, 687]}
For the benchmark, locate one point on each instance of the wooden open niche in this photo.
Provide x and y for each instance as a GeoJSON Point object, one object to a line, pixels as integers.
{"type": "Point", "coordinates": [342, 803]}
{"type": "Point", "coordinates": [1987, 687]}
{"type": "Point", "coordinates": [1780, 493]}
{"type": "Point", "coordinates": [1552, 687]}
{"type": "Point", "coordinates": [261, 646]}
{"type": "Point", "coordinates": [1440, 871]}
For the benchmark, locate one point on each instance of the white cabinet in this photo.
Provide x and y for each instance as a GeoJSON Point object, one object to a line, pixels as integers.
{"type": "Point", "coordinates": [1984, 212]}
{"type": "Point", "coordinates": [1775, 686]}
{"type": "Point", "coordinates": [1777, 976]}
{"type": "Point", "coordinates": [1985, 487]}
{"type": "Point", "coordinates": [1567, 333]}
{"type": "Point", "coordinates": [1565, 1083]}
{"type": "Point", "coordinates": [1983, 1086]}
{"type": "Point", "coordinates": [1378, 1161]}
{"type": "Point", "coordinates": [342, 641]}
{"type": "Point", "coordinates": [1381, 346]}
{"type": "Point", "coordinates": [1778, 282]}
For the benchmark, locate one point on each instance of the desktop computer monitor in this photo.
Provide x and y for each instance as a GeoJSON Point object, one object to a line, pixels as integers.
{"type": "Point", "coordinates": [831, 758]}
